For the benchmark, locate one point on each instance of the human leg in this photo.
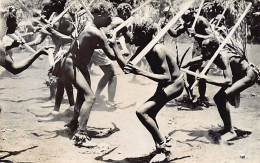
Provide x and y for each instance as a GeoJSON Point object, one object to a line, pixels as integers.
{"type": "Point", "coordinates": [222, 97]}
{"type": "Point", "coordinates": [69, 91]}
{"type": "Point", "coordinates": [109, 78]}
{"type": "Point", "coordinates": [147, 113]}
{"type": "Point", "coordinates": [202, 100]}
{"type": "Point", "coordinates": [191, 79]}
{"type": "Point", "coordinates": [53, 85]}
{"type": "Point", "coordinates": [59, 95]}
{"type": "Point", "coordinates": [73, 124]}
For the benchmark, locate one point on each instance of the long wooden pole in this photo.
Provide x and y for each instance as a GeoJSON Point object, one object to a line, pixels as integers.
{"type": "Point", "coordinates": [86, 9]}
{"type": "Point", "coordinates": [223, 13]}
{"type": "Point", "coordinates": [195, 74]}
{"type": "Point", "coordinates": [198, 14]}
{"type": "Point", "coordinates": [130, 18]}
{"type": "Point", "coordinates": [28, 10]}
{"type": "Point", "coordinates": [61, 14]}
{"type": "Point", "coordinates": [162, 33]}
{"type": "Point", "coordinates": [16, 36]}
{"type": "Point", "coordinates": [224, 42]}
{"type": "Point", "coordinates": [91, 16]}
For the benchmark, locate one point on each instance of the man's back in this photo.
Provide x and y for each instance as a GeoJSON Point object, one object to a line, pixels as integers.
{"type": "Point", "coordinates": [89, 40]}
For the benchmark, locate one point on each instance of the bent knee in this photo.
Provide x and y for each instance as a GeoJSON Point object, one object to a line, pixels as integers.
{"type": "Point", "coordinates": [250, 81]}
{"type": "Point", "coordinates": [90, 98]}
{"type": "Point", "coordinates": [220, 97]}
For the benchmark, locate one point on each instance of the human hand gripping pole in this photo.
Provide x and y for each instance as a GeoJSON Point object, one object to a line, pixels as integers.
{"type": "Point", "coordinates": [161, 33]}
{"type": "Point", "coordinates": [224, 43]}
{"type": "Point", "coordinates": [192, 29]}
{"type": "Point", "coordinates": [16, 36]}
{"type": "Point", "coordinates": [198, 14]}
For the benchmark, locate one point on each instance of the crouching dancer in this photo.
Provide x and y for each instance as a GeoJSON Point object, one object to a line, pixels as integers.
{"type": "Point", "coordinates": [164, 71]}
{"type": "Point", "coordinates": [239, 75]}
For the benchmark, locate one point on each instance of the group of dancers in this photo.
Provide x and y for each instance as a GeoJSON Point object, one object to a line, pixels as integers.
{"type": "Point", "coordinates": [86, 34]}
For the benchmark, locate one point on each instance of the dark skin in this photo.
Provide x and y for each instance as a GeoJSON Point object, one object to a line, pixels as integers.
{"type": "Point", "coordinates": [202, 31]}
{"type": "Point", "coordinates": [62, 26]}
{"type": "Point", "coordinates": [232, 65]}
{"type": "Point", "coordinates": [109, 76]}
{"type": "Point", "coordinates": [164, 71]}
{"type": "Point", "coordinates": [18, 67]}
{"type": "Point", "coordinates": [75, 66]}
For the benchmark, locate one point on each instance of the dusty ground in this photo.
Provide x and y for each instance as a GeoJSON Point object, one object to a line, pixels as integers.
{"type": "Point", "coordinates": [24, 139]}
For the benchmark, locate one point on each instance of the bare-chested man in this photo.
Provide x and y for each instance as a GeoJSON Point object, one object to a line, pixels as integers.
{"type": "Point", "coordinates": [61, 46]}
{"type": "Point", "coordinates": [8, 26]}
{"type": "Point", "coordinates": [74, 66]}
{"type": "Point", "coordinates": [234, 66]}
{"type": "Point", "coordinates": [201, 31]}
{"type": "Point", "coordinates": [8, 23]}
{"type": "Point", "coordinates": [165, 71]}
{"type": "Point", "coordinates": [100, 59]}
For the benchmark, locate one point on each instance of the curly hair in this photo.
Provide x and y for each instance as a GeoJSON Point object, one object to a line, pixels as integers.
{"type": "Point", "coordinates": [58, 5]}
{"type": "Point", "coordinates": [145, 26]}
{"type": "Point", "coordinates": [102, 7]}
{"type": "Point", "coordinates": [53, 6]}
{"type": "Point", "coordinates": [11, 21]}
{"type": "Point", "coordinates": [124, 7]}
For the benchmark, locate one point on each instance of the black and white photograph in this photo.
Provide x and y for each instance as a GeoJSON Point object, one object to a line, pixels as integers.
{"type": "Point", "coordinates": [129, 81]}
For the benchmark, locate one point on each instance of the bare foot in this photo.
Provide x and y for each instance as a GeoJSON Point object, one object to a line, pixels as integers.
{"type": "Point", "coordinates": [160, 157]}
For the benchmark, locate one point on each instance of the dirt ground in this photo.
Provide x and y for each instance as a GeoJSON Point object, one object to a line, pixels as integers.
{"type": "Point", "coordinates": [117, 133]}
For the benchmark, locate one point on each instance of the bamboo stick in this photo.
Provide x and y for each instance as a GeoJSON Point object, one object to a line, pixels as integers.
{"type": "Point", "coordinates": [198, 14]}
{"type": "Point", "coordinates": [16, 36]}
{"type": "Point", "coordinates": [162, 33]}
{"type": "Point", "coordinates": [130, 18]}
{"type": "Point", "coordinates": [224, 42]}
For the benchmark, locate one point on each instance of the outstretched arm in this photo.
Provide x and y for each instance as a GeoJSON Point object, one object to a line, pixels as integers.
{"type": "Point", "coordinates": [193, 61]}
{"type": "Point", "coordinates": [16, 68]}
{"type": "Point", "coordinates": [119, 56]}
{"type": "Point", "coordinates": [163, 76]}
{"type": "Point", "coordinates": [227, 81]}
{"type": "Point", "coordinates": [38, 40]}
{"type": "Point", "coordinates": [60, 35]}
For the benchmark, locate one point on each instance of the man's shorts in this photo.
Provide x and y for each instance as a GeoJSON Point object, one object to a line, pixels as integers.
{"type": "Point", "coordinates": [99, 58]}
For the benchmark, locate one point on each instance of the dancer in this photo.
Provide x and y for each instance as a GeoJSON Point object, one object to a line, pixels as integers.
{"type": "Point", "coordinates": [100, 59]}
{"type": "Point", "coordinates": [239, 75]}
{"type": "Point", "coordinates": [65, 27]}
{"type": "Point", "coordinates": [74, 66]}
{"type": "Point", "coordinates": [165, 71]}
{"type": "Point", "coordinates": [8, 22]}
{"type": "Point", "coordinates": [202, 29]}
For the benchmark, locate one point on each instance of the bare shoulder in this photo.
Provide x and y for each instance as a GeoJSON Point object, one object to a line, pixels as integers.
{"type": "Point", "coordinates": [160, 49]}
{"type": "Point", "coordinates": [117, 21]}
{"type": "Point", "coordinates": [91, 31]}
